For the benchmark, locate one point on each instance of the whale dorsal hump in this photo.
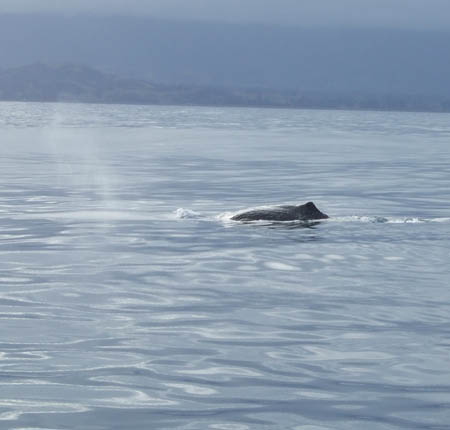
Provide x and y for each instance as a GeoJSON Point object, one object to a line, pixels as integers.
{"type": "Point", "coordinates": [310, 211]}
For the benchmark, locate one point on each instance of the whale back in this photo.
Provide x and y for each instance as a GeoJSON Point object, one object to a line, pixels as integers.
{"type": "Point", "coordinates": [308, 211]}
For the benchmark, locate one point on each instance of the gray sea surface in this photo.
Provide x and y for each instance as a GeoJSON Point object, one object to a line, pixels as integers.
{"type": "Point", "coordinates": [130, 300]}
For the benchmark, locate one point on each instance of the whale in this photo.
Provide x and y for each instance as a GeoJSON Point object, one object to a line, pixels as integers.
{"type": "Point", "coordinates": [304, 212]}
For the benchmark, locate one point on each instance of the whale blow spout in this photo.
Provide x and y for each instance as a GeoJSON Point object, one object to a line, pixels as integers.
{"type": "Point", "coordinates": [307, 211]}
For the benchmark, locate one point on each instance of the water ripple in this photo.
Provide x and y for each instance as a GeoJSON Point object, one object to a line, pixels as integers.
{"type": "Point", "coordinates": [119, 310]}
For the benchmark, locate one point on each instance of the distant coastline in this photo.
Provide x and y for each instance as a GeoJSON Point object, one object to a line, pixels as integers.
{"type": "Point", "coordinates": [83, 84]}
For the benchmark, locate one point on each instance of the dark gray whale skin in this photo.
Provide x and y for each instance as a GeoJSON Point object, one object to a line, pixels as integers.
{"type": "Point", "coordinates": [305, 212]}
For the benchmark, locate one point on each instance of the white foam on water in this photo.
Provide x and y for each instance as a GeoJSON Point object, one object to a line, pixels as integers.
{"type": "Point", "coordinates": [182, 213]}
{"type": "Point", "coordinates": [445, 219]}
{"type": "Point", "coordinates": [226, 216]}
{"type": "Point", "coordinates": [406, 221]}
{"type": "Point", "coordinates": [388, 220]}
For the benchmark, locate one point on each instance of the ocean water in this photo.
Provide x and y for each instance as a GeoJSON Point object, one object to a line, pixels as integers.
{"type": "Point", "coordinates": [130, 300]}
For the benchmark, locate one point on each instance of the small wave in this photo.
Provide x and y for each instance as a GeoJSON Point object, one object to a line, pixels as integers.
{"type": "Point", "coordinates": [388, 220]}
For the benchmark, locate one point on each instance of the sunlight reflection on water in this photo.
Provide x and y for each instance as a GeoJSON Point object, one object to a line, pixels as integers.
{"type": "Point", "coordinates": [128, 297]}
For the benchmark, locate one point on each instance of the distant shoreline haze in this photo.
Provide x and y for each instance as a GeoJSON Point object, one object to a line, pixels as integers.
{"type": "Point", "coordinates": [234, 63]}
{"type": "Point", "coordinates": [41, 82]}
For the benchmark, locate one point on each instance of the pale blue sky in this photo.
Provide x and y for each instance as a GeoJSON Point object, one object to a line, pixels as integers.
{"type": "Point", "coordinates": [429, 14]}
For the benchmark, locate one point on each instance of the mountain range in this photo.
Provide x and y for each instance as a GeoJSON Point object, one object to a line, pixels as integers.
{"type": "Point", "coordinates": [124, 59]}
{"type": "Point", "coordinates": [80, 83]}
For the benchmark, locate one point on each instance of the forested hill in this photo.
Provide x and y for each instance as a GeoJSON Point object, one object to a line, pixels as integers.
{"type": "Point", "coordinates": [78, 83]}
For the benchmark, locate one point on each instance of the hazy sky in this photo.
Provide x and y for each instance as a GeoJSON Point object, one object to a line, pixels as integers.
{"type": "Point", "coordinates": [429, 14]}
